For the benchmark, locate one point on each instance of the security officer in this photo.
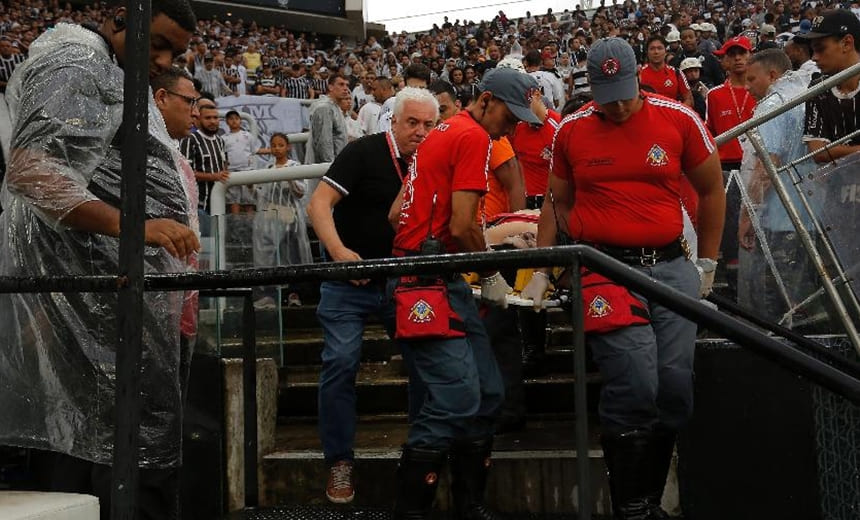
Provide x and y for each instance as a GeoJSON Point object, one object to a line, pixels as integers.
{"type": "Point", "coordinates": [627, 204]}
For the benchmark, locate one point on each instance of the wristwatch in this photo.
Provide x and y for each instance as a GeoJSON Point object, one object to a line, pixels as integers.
{"type": "Point", "coordinates": [707, 265]}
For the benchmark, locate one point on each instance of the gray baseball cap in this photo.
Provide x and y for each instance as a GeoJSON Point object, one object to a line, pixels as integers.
{"type": "Point", "coordinates": [612, 71]}
{"type": "Point", "coordinates": [515, 89]}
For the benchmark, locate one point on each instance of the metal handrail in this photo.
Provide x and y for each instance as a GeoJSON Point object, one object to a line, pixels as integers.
{"type": "Point", "coordinates": [218, 197]}
{"type": "Point", "coordinates": [684, 305]}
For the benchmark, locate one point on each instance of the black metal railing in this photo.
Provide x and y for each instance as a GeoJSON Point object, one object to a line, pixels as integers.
{"type": "Point", "coordinates": [799, 362]}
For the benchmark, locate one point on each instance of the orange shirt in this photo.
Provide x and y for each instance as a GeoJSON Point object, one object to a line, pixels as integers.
{"type": "Point", "coordinates": [496, 199]}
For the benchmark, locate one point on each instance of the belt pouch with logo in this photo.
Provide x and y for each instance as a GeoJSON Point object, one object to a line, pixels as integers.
{"type": "Point", "coordinates": [422, 310]}
{"type": "Point", "coordinates": [609, 306]}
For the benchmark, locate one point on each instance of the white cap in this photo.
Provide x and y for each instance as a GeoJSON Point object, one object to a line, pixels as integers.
{"type": "Point", "coordinates": [690, 63]}
{"type": "Point", "coordinates": [673, 36]}
{"type": "Point", "coordinates": [695, 27]}
{"type": "Point", "coordinates": [511, 62]}
{"type": "Point", "coordinates": [707, 27]}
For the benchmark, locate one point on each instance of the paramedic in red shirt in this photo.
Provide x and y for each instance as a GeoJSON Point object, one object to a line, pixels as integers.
{"type": "Point", "coordinates": [446, 180]}
{"type": "Point", "coordinates": [729, 105]}
{"type": "Point", "coordinates": [616, 173]}
{"type": "Point", "coordinates": [533, 146]}
{"type": "Point", "coordinates": [665, 79]}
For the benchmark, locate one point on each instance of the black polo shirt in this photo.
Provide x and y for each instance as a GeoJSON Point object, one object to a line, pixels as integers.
{"type": "Point", "coordinates": [364, 173]}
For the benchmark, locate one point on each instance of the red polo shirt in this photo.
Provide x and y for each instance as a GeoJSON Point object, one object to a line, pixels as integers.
{"type": "Point", "coordinates": [727, 108]}
{"type": "Point", "coordinates": [667, 81]}
{"type": "Point", "coordinates": [533, 146]}
{"type": "Point", "coordinates": [627, 177]}
{"type": "Point", "coordinates": [453, 157]}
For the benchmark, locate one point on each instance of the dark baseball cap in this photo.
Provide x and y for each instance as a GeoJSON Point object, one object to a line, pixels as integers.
{"type": "Point", "coordinates": [837, 22]}
{"type": "Point", "coordinates": [612, 71]}
{"type": "Point", "coordinates": [515, 89]}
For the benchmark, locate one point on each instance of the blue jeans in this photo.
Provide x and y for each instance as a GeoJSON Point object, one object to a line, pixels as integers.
{"type": "Point", "coordinates": [342, 312]}
{"type": "Point", "coordinates": [463, 388]}
{"type": "Point", "coordinates": [648, 369]}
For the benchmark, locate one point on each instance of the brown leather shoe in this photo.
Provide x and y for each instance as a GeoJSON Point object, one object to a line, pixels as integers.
{"type": "Point", "coordinates": [340, 488]}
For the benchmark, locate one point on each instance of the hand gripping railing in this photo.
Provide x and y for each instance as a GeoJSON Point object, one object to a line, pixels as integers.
{"type": "Point", "coordinates": [572, 256]}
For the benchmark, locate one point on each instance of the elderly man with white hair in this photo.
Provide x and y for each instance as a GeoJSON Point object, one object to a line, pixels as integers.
{"type": "Point", "coordinates": [349, 213]}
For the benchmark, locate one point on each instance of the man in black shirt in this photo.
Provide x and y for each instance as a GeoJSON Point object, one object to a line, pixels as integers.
{"type": "Point", "coordinates": [711, 72]}
{"type": "Point", "coordinates": [835, 41]}
{"type": "Point", "coordinates": [349, 213]}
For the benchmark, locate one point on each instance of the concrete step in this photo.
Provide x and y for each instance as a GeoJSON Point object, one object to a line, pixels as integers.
{"type": "Point", "coordinates": [534, 470]}
{"type": "Point", "coordinates": [383, 388]}
{"type": "Point", "coordinates": [303, 346]}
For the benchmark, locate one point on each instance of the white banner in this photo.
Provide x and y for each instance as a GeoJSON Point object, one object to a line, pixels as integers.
{"type": "Point", "coordinates": [273, 114]}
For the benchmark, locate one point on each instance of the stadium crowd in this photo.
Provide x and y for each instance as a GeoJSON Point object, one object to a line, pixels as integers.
{"type": "Point", "coordinates": [297, 65]}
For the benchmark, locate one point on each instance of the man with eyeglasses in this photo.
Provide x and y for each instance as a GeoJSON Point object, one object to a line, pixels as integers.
{"type": "Point", "coordinates": [207, 154]}
{"type": "Point", "coordinates": [62, 200]}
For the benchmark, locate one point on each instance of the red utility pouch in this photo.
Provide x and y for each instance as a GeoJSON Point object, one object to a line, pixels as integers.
{"type": "Point", "coordinates": [609, 306]}
{"type": "Point", "coordinates": [422, 311]}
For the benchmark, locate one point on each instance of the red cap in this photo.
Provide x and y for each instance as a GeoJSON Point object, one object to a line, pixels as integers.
{"type": "Point", "coordinates": [738, 41]}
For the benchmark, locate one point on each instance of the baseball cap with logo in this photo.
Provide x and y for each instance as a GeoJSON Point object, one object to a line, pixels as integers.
{"type": "Point", "coordinates": [738, 41]}
{"type": "Point", "coordinates": [767, 29]}
{"type": "Point", "coordinates": [673, 36]}
{"type": "Point", "coordinates": [612, 71]}
{"type": "Point", "coordinates": [515, 89]}
{"type": "Point", "coordinates": [837, 22]}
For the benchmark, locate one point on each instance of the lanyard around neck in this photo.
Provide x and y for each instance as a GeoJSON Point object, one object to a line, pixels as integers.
{"type": "Point", "coordinates": [392, 148]}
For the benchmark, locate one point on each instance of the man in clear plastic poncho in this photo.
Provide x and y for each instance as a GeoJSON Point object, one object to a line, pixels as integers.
{"type": "Point", "coordinates": [775, 270]}
{"type": "Point", "coordinates": [61, 195]}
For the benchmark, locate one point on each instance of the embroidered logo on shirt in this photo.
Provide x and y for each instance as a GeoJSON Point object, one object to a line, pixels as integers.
{"type": "Point", "coordinates": [668, 83]}
{"type": "Point", "coordinates": [421, 312]}
{"type": "Point", "coordinates": [599, 307]}
{"type": "Point", "coordinates": [546, 153]}
{"type": "Point", "coordinates": [657, 156]}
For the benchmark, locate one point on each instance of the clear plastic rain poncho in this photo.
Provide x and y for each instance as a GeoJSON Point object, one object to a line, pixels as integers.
{"type": "Point", "coordinates": [57, 351]}
{"type": "Point", "coordinates": [280, 227]}
{"type": "Point", "coordinates": [777, 274]}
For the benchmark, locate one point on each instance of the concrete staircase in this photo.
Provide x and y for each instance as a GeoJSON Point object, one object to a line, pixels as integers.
{"type": "Point", "coordinates": [534, 469]}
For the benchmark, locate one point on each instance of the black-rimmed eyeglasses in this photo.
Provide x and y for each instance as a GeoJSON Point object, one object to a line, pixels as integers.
{"type": "Point", "coordinates": [192, 101]}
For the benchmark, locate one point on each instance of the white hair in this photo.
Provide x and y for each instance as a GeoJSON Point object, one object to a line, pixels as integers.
{"type": "Point", "coordinates": [420, 95]}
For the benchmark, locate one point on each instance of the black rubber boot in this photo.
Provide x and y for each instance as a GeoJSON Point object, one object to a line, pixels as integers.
{"type": "Point", "coordinates": [628, 459]}
{"type": "Point", "coordinates": [417, 480]}
{"type": "Point", "coordinates": [533, 337]}
{"type": "Point", "coordinates": [470, 465]}
{"type": "Point", "coordinates": [662, 446]}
